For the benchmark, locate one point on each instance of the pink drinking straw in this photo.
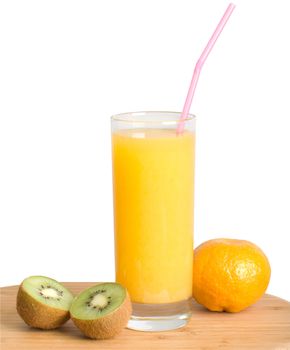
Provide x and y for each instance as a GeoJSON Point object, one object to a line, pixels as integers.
{"type": "Point", "coordinates": [199, 65]}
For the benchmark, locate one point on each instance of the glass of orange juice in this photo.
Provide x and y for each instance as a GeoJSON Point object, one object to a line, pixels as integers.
{"type": "Point", "coordinates": [153, 180]}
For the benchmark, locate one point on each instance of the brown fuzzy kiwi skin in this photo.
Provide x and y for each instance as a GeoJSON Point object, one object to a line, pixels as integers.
{"type": "Point", "coordinates": [39, 315]}
{"type": "Point", "coordinates": [108, 326]}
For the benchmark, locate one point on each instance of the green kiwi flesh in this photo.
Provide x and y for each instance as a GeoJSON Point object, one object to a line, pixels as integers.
{"type": "Point", "coordinates": [43, 302]}
{"type": "Point", "coordinates": [102, 311]}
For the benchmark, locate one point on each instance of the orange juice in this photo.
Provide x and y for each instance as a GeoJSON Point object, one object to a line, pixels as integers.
{"type": "Point", "coordinates": [153, 177]}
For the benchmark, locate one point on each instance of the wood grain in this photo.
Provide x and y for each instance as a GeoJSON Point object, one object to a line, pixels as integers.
{"type": "Point", "coordinates": [265, 325]}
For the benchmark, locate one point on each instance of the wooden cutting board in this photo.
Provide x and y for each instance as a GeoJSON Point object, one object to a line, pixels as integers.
{"type": "Point", "coordinates": [265, 325]}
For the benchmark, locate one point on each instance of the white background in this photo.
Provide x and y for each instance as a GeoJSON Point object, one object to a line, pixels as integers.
{"type": "Point", "coordinates": [67, 66]}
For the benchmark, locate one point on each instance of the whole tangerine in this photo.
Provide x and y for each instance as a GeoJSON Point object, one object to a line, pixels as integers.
{"type": "Point", "coordinates": [229, 274]}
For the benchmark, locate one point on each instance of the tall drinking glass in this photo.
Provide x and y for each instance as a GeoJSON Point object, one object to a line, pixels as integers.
{"type": "Point", "coordinates": [153, 180]}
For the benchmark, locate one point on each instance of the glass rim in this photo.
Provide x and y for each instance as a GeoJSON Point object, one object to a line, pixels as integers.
{"type": "Point", "coordinates": [130, 117]}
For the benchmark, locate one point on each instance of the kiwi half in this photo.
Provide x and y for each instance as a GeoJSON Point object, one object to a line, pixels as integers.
{"type": "Point", "coordinates": [43, 302]}
{"type": "Point", "coordinates": [102, 311]}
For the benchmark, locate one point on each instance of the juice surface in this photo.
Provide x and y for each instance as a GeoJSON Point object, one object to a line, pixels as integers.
{"type": "Point", "coordinates": [153, 176]}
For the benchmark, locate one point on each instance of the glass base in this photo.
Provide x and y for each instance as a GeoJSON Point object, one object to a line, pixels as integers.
{"type": "Point", "coordinates": [160, 317]}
